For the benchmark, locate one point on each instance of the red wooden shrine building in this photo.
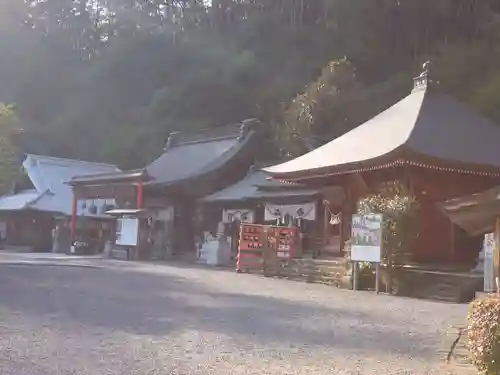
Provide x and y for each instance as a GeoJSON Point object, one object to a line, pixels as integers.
{"type": "Point", "coordinates": [437, 146]}
{"type": "Point", "coordinates": [165, 191]}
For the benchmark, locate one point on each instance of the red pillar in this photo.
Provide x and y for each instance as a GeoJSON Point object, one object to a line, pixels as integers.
{"type": "Point", "coordinates": [140, 195]}
{"type": "Point", "coordinates": [73, 218]}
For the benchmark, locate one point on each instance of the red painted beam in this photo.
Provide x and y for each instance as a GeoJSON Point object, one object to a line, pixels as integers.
{"type": "Point", "coordinates": [140, 194]}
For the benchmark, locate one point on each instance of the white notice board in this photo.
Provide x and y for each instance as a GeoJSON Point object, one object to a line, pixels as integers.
{"type": "Point", "coordinates": [366, 237]}
{"type": "Point", "coordinates": [127, 231]}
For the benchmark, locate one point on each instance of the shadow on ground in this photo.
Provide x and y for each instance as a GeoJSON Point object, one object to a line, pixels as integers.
{"type": "Point", "coordinates": [158, 305]}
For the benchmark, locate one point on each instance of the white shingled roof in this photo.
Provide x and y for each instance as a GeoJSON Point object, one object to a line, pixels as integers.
{"type": "Point", "coordinates": [49, 176]}
{"type": "Point", "coordinates": [18, 201]}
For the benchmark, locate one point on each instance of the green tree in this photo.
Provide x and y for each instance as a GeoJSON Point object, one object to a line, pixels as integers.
{"type": "Point", "coordinates": [119, 75]}
{"type": "Point", "coordinates": [10, 132]}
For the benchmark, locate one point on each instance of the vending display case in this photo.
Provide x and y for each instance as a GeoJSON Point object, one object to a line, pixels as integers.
{"type": "Point", "coordinates": [252, 237]}
{"type": "Point", "coordinates": [260, 242]}
{"type": "Point", "coordinates": [286, 242]}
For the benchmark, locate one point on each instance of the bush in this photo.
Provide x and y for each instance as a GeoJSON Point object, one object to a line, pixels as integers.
{"type": "Point", "coordinates": [401, 225]}
{"type": "Point", "coordinates": [484, 334]}
{"type": "Point", "coordinates": [401, 218]}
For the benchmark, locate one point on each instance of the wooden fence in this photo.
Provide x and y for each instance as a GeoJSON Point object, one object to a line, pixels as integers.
{"type": "Point", "coordinates": [333, 272]}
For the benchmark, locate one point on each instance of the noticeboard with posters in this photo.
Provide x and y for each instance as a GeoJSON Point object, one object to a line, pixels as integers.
{"type": "Point", "coordinates": [127, 231]}
{"type": "Point", "coordinates": [366, 237]}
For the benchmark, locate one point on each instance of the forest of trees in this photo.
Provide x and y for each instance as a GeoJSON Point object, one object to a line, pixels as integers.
{"type": "Point", "coordinates": [108, 80]}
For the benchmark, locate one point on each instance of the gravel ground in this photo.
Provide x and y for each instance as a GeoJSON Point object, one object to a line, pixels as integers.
{"type": "Point", "coordinates": [107, 317]}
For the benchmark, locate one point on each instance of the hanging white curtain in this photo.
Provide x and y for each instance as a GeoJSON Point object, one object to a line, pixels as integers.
{"type": "Point", "coordinates": [305, 211]}
{"type": "Point", "coordinates": [243, 215]}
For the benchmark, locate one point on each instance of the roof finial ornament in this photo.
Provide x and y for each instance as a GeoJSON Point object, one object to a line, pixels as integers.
{"type": "Point", "coordinates": [171, 140]}
{"type": "Point", "coordinates": [426, 67]}
{"type": "Point", "coordinates": [244, 128]}
{"type": "Point", "coordinates": [422, 81]}
{"type": "Point", "coordinates": [252, 168]}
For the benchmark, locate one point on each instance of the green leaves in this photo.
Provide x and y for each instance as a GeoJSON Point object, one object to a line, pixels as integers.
{"type": "Point", "coordinates": [401, 217]}
{"type": "Point", "coordinates": [484, 334]}
{"type": "Point", "coordinates": [102, 70]}
{"type": "Point", "coordinates": [9, 142]}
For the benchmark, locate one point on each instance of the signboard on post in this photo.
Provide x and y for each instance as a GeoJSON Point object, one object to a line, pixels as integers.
{"type": "Point", "coordinates": [366, 244]}
{"type": "Point", "coordinates": [127, 231]}
{"type": "Point", "coordinates": [489, 266]}
{"type": "Point", "coordinates": [366, 238]}
{"type": "Point", "coordinates": [496, 256]}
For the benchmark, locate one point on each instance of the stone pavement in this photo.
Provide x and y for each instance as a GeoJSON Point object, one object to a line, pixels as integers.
{"type": "Point", "coordinates": [7, 257]}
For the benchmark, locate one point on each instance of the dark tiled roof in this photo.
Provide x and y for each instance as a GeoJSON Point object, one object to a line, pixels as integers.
{"type": "Point", "coordinates": [476, 213]}
{"type": "Point", "coordinates": [250, 188]}
{"type": "Point", "coordinates": [425, 124]}
{"type": "Point", "coordinates": [186, 156]}
{"type": "Point", "coordinates": [190, 156]}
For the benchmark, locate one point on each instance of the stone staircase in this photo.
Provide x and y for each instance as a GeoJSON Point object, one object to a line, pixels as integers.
{"type": "Point", "coordinates": [453, 351]}
{"type": "Point", "coordinates": [445, 287]}
{"type": "Point", "coordinates": [444, 290]}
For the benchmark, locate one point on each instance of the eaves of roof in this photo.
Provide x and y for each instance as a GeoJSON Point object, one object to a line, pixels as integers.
{"type": "Point", "coordinates": [113, 177]}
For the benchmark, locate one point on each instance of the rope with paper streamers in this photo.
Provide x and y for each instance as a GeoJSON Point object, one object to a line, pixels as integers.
{"type": "Point", "coordinates": [335, 219]}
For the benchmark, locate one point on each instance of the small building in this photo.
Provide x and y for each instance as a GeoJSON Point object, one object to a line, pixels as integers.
{"type": "Point", "coordinates": [30, 215]}
{"type": "Point", "coordinates": [260, 200]}
{"type": "Point", "coordinates": [475, 213]}
{"type": "Point", "coordinates": [166, 191]}
{"type": "Point", "coordinates": [436, 146]}
{"type": "Point", "coordinates": [479, 215]}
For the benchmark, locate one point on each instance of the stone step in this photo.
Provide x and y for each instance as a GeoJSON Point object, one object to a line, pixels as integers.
{"type": "Point", "coordinates": [442, 298]}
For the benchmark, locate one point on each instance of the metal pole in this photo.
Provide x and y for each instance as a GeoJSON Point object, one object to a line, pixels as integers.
{"type": "Point", "coordinates": [74, 211]}
{"type": "Point", "coordinates": [377, 278]}
{"type": "Point", "coordinates": [355, 276]}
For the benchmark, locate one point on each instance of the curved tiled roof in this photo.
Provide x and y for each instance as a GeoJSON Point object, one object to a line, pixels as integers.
{"type": "Point", "coordinates": [252, 187]}
{"type": "Point", "coordinates": [425, 124]}
{"type": "Point", "coordinates": [186, 156]}
{"type": "Point", "coordinates": [191, 157]}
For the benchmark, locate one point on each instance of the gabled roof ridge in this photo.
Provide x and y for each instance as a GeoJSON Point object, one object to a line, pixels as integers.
{"type": "Point", "coordinates": [211, 134]}
{"type": "Point", "coordinates": [229, 153]}
{"type": "Point", "coordinates": [68, 161]}
{"type": "Point", "coordinates": [182, 142]}
{"type": "Point", "coordinates": [40, 196]}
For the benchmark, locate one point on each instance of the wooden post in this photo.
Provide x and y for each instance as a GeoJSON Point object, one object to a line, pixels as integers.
{"type": "Point", "coordinates": [73, 218]}
{"type": "Point", "coordinates": [140, 193]}
{"type": "Point", "coordinates": [354, 275]}
{"type": "Point", "coordinates": [326, 219]}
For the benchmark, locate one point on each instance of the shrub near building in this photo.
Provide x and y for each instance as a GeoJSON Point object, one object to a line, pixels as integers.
{"type": "Point", "coordinates": [484, 334]}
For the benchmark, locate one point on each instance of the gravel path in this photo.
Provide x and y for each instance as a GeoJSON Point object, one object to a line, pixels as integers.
{"type": "Point", "coordinates": [126, 318]}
